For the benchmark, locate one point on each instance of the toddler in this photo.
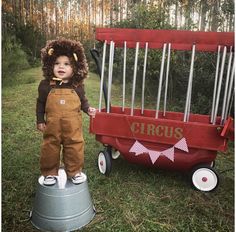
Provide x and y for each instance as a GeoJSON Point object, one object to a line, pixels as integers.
{"type": "Point", "coordinates": [61, 97]}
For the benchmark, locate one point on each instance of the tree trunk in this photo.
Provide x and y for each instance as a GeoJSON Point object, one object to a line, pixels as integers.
{"type": "Point", "coordinates": [95, 12]}
{"type": "Point", "coordinates": [176, 14]}
{"type": "Point", "coordinates": [102, 7]}
{"type": "Point", "coordinates": [111, 12]}
{"type": "Point", "coordinates": [42, 18]}
{"type": "Point", "coordinates": [127, 9]}
{"type": "Point", "coordinates": [215, 12]}
{"type": "Point", "coordinates": [231, 22]}
{"type": "Point", "coordinates": [20, 10]}
{"type": "Point", "coordinates": [89, 19]}
{"type": "Point", "coordinates": [121, 10]}
{"type": "Point", "coordinates": [181, 16]}
{"type": "Point", "coordinates": [31, 11]}
{"type": "Point", "coordinates": [27, 10]}
{"type": "Point", "coordinates": [187, 16]}
{"type": "Point", "coordinates": [56, 16]}
{"type": "Point", "coordinates": [203, 11]}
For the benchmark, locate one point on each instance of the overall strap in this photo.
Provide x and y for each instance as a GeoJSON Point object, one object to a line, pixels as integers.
{"type": "Point", "coordinates": [73, 85]}
{"type": "Point", "coordinates": [76, 84]}
{"type": "Point", "coordinates": [52, 83]}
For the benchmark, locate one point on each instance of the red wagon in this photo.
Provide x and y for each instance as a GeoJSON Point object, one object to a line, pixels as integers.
{"type": "Point", "coordinates": [172, 140]}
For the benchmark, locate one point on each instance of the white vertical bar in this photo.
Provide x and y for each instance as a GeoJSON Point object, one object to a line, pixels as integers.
{"type": "Point", "coordinates": [230, 89]}
{"type": "Point", "coordinates": [124, 77]}
{"type": "Point", "coordinates": [167, 78]}
{"type": "Point", "coordinates": [189, 101]}
{"type": "Point", "coordinates": [219, 86]}
{"type": "Point", "coordinates": [189, 90]}
{"type": "Point", "coordinates": [134, 78]}
{"type": "Point", "coordinates": [223, 114]}
{"type": "Point", "coordinates": [160, 80]}
{"type": "Point", "coordinates": [215, 84]}
{"type": "Point", "coordinates": [231, 104]}
{"type": "Point", "coordinates": [110, 75]}
{"type": "Point", "coordinates": [144, 76]}
{"type": "Point", "coordinates": [191, 87]}
{"type": "Point", "coordinates": [102, 75]}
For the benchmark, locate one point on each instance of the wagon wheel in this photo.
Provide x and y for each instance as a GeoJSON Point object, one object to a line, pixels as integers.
{"type": "Point", "coordinates": [104, 162]}
{"type": "Point", "coordinates": [204, 178]}
{"type": "Point", "coordinates": [213, 164]}
{"type": "Point", "coordinates": [210, 164]}
{"type": "Point", "coordinates": [115, 154]}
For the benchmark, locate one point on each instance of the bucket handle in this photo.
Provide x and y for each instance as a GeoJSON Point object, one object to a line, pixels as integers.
{"type": "Point", "coordinates": [27, 218]}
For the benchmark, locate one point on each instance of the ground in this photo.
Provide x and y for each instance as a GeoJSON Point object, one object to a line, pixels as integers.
{"type": "Point", "coordinates": [132, 198]}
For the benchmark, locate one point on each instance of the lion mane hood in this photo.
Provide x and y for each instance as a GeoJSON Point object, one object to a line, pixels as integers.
{"type": "Point", "coordinates": [73, 49]}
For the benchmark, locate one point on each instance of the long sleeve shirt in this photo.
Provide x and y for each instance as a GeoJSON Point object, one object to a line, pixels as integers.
{"type": "Point", "coordinates": [43, 91]}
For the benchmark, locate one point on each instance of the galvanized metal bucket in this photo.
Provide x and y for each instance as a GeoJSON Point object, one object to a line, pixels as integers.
{"type": "Point", "coordinates": [62, 207]}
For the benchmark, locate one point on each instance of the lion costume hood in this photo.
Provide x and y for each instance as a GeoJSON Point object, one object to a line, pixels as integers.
{"type": "Point", "coordinates": [64, 47]}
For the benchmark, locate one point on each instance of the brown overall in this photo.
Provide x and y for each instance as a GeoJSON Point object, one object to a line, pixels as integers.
{"type": "Point", "coordinates": [63, 127]}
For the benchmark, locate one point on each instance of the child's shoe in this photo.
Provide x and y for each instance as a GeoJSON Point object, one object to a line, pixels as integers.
{"type": "Point", "coordinates": [49, 180]}
{"type": "Point", "coordinates": [78, 178]}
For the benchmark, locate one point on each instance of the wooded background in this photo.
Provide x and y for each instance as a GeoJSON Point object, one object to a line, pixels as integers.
{"type": "Point", "coordinates": [79, 18]}
{"type": "Point", "coordinates": [27, 24]}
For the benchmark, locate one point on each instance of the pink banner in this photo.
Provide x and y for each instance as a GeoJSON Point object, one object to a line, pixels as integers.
{"type": "Point", "coordinates": [154, 155]}
{"type": "Point", "coordinates": [169, 153]}
{"type": "Point", "coordinates": [182, 145]}
{"type": "Point", "coordinates": [139, 149]}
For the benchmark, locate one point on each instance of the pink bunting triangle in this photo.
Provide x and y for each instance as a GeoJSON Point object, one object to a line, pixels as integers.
{"type": "Point", "coordinates": [154, 155]}
{"type": "Point", "coordinates": [169, 153]}
{"type": "Point", "coordinates": [182, 145]}
{"type": "Point", "coordinates": [138, 148]}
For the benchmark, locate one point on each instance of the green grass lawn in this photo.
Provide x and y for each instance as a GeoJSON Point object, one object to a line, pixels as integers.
{"type": "Point", "coordinates": [132, 198]}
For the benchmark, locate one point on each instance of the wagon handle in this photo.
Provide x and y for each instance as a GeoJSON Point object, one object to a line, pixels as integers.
{"type": "Point", "coordinates": [96, 56]}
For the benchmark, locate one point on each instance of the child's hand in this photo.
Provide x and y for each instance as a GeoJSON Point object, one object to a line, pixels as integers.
{"type": "Point", "coordinates": [41, 127]}
{"type": "Point", "coordinates": [92, 111]}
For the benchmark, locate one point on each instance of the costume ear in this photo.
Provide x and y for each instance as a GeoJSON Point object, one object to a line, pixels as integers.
{"type": "Point", "coordinates": [75, 56]}
{"type": "Point", "coordinates": [50, 51]}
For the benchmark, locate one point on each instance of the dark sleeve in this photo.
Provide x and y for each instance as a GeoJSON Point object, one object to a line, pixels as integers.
{"type": "Point", "coordinates": [84, 101]}
{"type": "Point", "coordinates": [43, 91]}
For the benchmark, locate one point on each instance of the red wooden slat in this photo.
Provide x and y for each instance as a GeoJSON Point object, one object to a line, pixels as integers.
{"type": "Point", "coordinates": [180, 39]}
{"type": "Point", "coordinates": [199, 135]}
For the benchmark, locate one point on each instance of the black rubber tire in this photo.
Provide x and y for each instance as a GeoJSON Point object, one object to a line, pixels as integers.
{"type": "Point", "coordinates": [213, 164]}
{"type": "Point", "coordinates": [106, 165]}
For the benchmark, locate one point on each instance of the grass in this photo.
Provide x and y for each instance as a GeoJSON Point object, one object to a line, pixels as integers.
{"type": "Point", "coordinates": [132, 198]}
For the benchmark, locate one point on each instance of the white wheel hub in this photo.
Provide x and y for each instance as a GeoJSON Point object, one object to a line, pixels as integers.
{"type": "Point", "coordinates": [102, 163]}
{"type": "Point", "coordinates": [204, 179]}
{"type": "Point", "coordinates": [115, 154]}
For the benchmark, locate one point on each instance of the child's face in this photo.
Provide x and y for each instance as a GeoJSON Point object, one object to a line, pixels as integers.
{"type": "Point", "coordinates": [63, 68]}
